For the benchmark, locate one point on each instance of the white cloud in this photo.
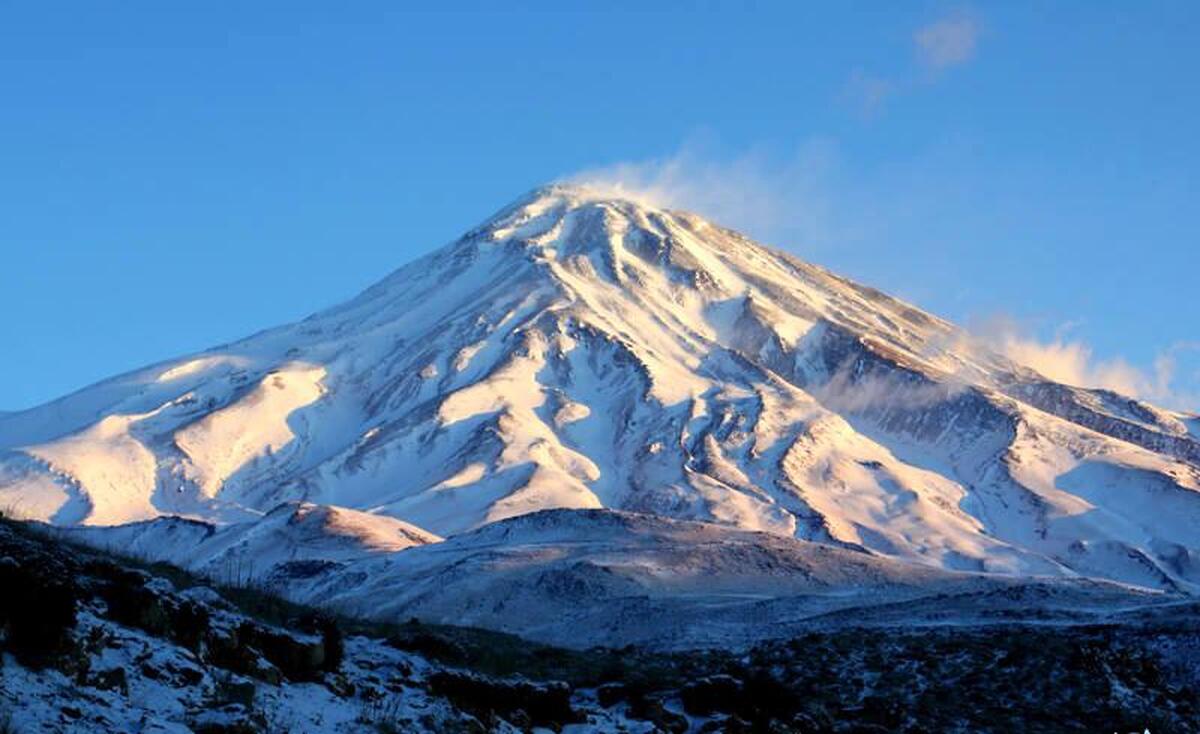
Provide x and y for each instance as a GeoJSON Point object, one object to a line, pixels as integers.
{"type": "Point", "coordinates": [947, 42]}
{"type": "Point", "coordinates": [1074, 362]}
{"type": "Point", "coordinates": [766, 196]}
{"type": "Point", "coordinates": [850, 392]}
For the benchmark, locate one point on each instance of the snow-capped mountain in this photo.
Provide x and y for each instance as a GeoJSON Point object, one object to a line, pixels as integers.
{"type": "Point", "coordinates": [584, 351]}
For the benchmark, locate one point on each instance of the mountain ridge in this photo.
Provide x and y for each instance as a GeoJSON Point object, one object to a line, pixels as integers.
{"type": "Point", "coordinates": [579, 351]}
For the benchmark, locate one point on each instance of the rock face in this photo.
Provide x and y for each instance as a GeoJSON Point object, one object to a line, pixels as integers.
{"type": "Point", "coordinates": [581, 352]}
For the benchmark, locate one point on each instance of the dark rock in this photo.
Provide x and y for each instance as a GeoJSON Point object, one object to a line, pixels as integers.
{"type": "Point", "coordinates": [652, 710]}
{"type": "Point", "coordinates": [230, 719]}
{"type": "Point", "coordinates": [37, 609]}
{"type": "Point", "coordinates": [296, 659]}
{"type": "Point", "coordinates": [717, 693]}
{"type": "Point", "coordinates": [131, 603]}
{"type": "Point", "coordinates": [544, 704]}
{"type": "Point", "coordinates": [183, 675]}
{"type": "Point", "coordinates": [333, 640]}
{"type": "Point", "coordinates": [113, 679]}
{"type": "Point", "coordinates": [226, 727]}
{"type": "Point", "coordinates": [429, 646]}
{"type": "Point", "coordinates": [611, 694]}
{"type": "Point", "coordinates": [190, 624]}
{"type": "Point", "coordinates": [251, 645]}
{"type": "Point", "coordinates": [521, 720]}
{"type": "Point", "coordinates": [235, 692]}
{"type": "Point", "coordinates": [340, 686]}
{"type": "Point", "coordinates": [151, 672]}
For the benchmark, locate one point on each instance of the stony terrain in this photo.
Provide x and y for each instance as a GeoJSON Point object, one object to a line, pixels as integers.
{"type": "Point", "coordinates": [100, 643]}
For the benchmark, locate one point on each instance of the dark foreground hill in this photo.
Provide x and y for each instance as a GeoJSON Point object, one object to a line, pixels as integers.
{"type": "Point", "coordinates": [96, 642]}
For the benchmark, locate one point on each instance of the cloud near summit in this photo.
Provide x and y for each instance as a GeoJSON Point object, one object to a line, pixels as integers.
{"type": "Point", "coordinates": [777, 198]}
{"type": "Point", "coordinates": [1074, 362]}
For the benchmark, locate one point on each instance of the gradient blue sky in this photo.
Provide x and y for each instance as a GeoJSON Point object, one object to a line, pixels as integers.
{"type": "Point", "coordinates": [176, 175]}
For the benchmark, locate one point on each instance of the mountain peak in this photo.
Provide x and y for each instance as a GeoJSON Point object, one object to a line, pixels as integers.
{"type": "Point", "coordinates": [586, 349]}
{"type": "Point", "coordinates": [553, 201]}
{"type": "Point", "coordinates": [585, 191]}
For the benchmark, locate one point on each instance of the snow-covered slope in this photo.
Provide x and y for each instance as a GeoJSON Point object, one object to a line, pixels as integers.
{"type": "Point", "coordinates": [580, 578]}
{"type": "Point", "coordinates": [579, 351]}
{"type": "Point", "coordinates": [238, 552]}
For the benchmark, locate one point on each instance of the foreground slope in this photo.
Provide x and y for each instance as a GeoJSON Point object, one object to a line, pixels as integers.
{"type": "Point", "coordinates": [578, 351]}
{"type": "Point", "coordinates": [98, 644]}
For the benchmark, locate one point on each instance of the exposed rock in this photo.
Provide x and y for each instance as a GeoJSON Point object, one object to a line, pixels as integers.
{"type": "Point", "coordinates": [543, 704]}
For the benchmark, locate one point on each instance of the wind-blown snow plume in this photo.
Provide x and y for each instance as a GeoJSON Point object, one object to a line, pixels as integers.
{"type": "Point", "coordinates": [765, 195]}
{"type": "Point", "coordinates": [588, 350]}
{"type": "Point", "coordinates": [1074, 362]}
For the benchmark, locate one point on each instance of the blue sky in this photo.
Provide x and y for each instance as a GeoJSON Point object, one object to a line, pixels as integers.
{"type": "Point", "coordinates": [177, 175]}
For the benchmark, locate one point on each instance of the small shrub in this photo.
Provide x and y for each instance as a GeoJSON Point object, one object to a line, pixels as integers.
{"type": "Point", "coordinates": [37, 612]}
{"type": "Point", "coordinates": [384, 716]}
{"type": "Point", "coordinates": [429, 645]}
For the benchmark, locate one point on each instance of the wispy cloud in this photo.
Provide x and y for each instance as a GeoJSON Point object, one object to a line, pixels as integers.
{"type": "Point", "coordinates": [867, 93]}
{"type": "Point", "coordinates": [946, 42]}
{"type": "Point", "coordinates": [764, 195]}
{"type": "Point", "coordinates": [1074, 362]}
{"type": "Point", "coordinates": [855, 393]}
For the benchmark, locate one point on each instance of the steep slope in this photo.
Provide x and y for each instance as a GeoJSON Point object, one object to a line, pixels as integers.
{"type": "Point", "coordinates": [578, 351]}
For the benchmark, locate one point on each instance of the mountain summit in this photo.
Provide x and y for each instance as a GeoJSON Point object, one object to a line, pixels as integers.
{"type": "Point", "coordinates": [583, 351]}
